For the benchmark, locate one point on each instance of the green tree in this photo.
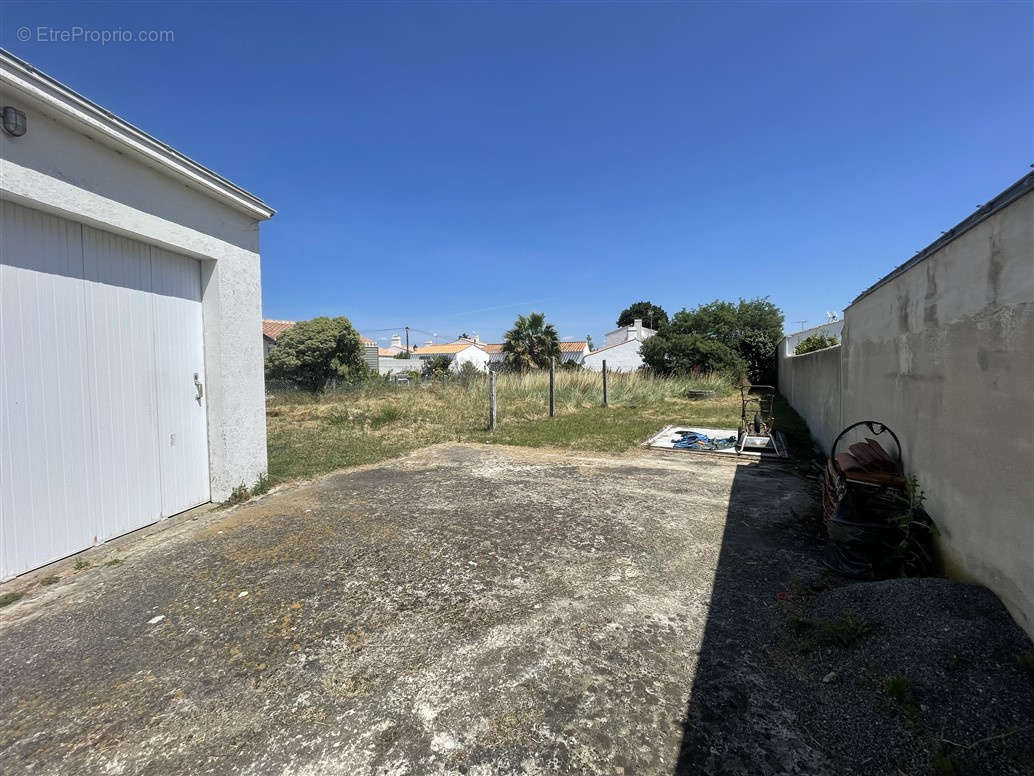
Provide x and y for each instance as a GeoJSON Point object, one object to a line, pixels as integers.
{"type": "Point", "coordinates": [652, 315]}
{"type": "Point", "coordinates": [679, 354]}
{"type": "Point", "coordinates": [310, 353]}
{"type": "Point", "coordinates": [530, 344]}
{"type": "Point", "coordinates": [751, 328]}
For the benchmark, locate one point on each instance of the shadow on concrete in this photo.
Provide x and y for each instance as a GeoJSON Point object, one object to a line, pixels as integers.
{"type": "Point", "coordinates": [736, 721]}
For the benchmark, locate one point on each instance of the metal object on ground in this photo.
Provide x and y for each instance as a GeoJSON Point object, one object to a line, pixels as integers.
{"type": "Point", "coordinates": [756, 417]}
{"type": "Point", "coordinates": [864, 467]}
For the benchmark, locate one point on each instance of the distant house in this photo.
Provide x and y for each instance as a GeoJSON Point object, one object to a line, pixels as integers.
{"type": "Point", "coordinates": [271, 331]}
{"type": "Point", "coordinates": [459, 352]}
{"type": "Point", "coordinates": [569, 351]}
{"type": "Point", "coordinates": [625, 333]}
{"type": "Point", "coordinates": [393, 349]}
{"type": "Point", "coordinates": [621, 351]}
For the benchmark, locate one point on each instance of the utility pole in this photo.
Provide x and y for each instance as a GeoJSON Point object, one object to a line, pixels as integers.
{"type": "Point", "coordinates": [802, 324]}
{"type": "Point", "coordinates": [407, 342]}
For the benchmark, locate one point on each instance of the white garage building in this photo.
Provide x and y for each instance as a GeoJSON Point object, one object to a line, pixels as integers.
{"type": "Point", "coordinates": [131, 384]}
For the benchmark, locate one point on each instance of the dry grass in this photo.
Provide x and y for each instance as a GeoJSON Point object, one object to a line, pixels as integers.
{"type": "Point", "coordinates": [375, 421]}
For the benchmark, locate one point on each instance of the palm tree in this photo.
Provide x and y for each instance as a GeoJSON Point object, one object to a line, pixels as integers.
{"type": "Point", "coordinates": [531, 343]}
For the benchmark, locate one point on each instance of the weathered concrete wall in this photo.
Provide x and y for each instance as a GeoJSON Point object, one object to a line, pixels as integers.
{"type": "Point", "coordinates": [811, 383]}
{"type": "Point", "coordinates": [944, 353]}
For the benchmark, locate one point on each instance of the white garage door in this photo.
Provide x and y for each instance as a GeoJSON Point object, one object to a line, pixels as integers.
{"type": "Point", "coordinates": [102, 426]}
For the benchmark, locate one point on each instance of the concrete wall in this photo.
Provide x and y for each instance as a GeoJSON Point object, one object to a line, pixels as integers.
{"type": "Point", "coordinates": [811, 383]}
{"type": "Point", "coordinates": [397, 366]}
{"type": "Point", "coordinates": [943, 352]}
{"type": "Point", "coordinates": [56, 168]}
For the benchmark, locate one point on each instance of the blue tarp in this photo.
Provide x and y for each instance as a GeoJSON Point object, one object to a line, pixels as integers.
{"type": "Point", "coordinates": [692, 440]}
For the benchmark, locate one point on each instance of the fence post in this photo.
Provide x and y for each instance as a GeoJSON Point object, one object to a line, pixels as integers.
{"type": "Point", "coordinates": [491, 400]}
{"type": "Point", "coordinates": [604, 382]}
{"type": "Point", "coordinates": [552, 371]}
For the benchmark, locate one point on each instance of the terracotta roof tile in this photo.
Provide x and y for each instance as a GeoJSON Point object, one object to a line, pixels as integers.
{"type": "Point", "coordinates": [274, 329]}
{"type": "Point", "coordinates": [572, 347]}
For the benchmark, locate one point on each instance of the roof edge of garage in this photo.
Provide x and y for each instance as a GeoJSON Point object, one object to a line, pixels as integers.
{"type": "Point", "coordinates": [21, 75]}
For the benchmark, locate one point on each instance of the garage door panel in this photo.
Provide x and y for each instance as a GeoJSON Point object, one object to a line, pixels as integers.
{"type": "Point", "coordinates": [100, 337]}
{"type": "Point", "coordinates": [43, 429]}
{"type": "Point", "coordinates": [179, 341]}
{"type": "Point", "coordinates": [120, 332]}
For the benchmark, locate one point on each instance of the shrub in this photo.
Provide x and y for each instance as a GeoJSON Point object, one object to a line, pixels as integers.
{"type": "Point", "coordinates": [671, 353]}
{"type": "Point", "coordinates": [814, 342]}
{"type": "Point", "coordinates": [437, 367]}
{"type": "Point", "coordinates": [310, 353]}
{"type": "Point", "coordinates": [469, 373]}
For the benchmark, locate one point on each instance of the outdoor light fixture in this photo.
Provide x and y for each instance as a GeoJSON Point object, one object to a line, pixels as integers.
{"type": "Point", "coordinates": [14, 121]}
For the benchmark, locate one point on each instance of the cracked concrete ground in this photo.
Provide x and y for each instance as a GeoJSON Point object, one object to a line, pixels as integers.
{"type": "Point", "coordinates": [486, 610]}
{"type": "Point", "coordinates": [461, 610]}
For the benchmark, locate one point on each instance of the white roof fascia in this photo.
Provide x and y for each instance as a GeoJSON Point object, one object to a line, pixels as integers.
{"type": "Point", "coordinates": [116, 132]}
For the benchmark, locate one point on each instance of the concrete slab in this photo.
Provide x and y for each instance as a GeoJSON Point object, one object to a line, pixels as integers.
{"type": "Point", "coordinates": [537, 612]}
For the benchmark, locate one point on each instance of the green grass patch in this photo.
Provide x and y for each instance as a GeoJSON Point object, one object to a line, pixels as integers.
{"type": "Point", "coordinates": [51, 580]}
{"type": "Point", "coordinates": [844, 631]}
{"type": "Point", "coordinates": [114, 562]}
{"type": "Point", "coordinates": [9, 598]}
{"type": "Point", "coordinates": [308, 435]}
{"type": "Point", "coordinates": [82, 563]}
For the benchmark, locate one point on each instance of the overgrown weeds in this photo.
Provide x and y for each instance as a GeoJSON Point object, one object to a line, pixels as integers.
{"type": "Point", "coordinates": [9, 598]}
{"type": "Point", "coordinates": [375, 420]}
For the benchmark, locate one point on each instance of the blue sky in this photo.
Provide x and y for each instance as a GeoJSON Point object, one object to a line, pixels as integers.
{"type": "Point", "coordinates": [449, 166]}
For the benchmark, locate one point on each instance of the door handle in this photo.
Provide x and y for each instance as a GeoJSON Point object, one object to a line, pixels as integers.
{"type": "Point", "coordinates": [200, 387]}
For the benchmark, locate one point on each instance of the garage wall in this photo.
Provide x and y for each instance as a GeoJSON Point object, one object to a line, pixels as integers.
{"type": "Point", "coordinates": [57, 169]}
